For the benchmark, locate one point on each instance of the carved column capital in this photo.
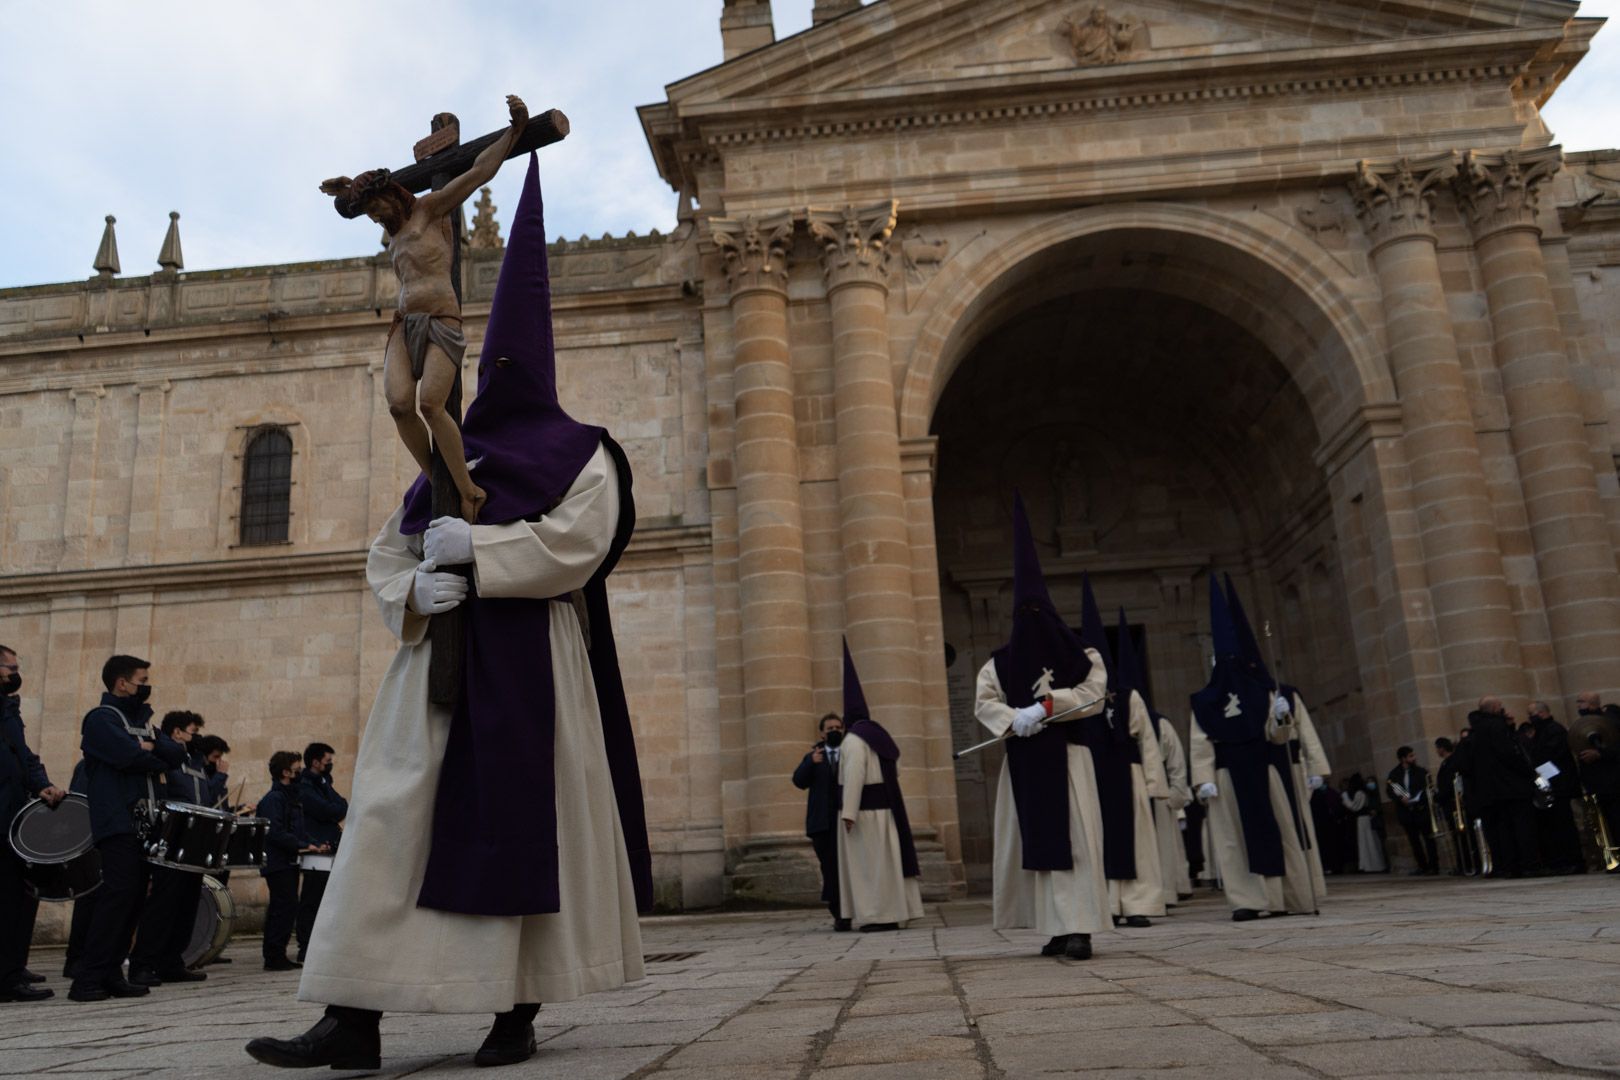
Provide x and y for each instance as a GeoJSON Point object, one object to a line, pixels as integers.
{"type": "Point", "coordinates": [1395, 199]}
{"type": "Point", "coordinates": [756, 250]}
{"type": "Point", "coordinates": [854, 242]}
{"type": "Point", "coordinates": [1503, 191]}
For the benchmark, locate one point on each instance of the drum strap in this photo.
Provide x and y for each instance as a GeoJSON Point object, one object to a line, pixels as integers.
{"type": "Point", "coordinates": [139, 733]}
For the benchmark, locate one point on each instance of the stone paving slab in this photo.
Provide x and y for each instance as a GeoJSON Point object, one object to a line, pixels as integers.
{"type": "Point", "coordinates": [1398, 977]}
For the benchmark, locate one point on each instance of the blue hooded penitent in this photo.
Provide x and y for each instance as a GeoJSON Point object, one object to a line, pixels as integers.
{"type": "Point", "coordinates": [494, 843]}
{"type": "Point", "coordinates": [1232, 711]}
{"type": "Point", "coordinates": [1042, 654]}
{"type": "Point", "coordinates": [885, 796]}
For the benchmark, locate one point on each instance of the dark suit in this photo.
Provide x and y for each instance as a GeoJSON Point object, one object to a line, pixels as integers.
{"type": "Point", "coordinates": [1445, 801]}
{"type": "Point", "coordinates": [1546, 740]}
{"type": "Point", "coordinates": [285, 835]}
{"type": "Point", "coordinates": [21, 778]}
{"type": "Point", "coordinates": [1414, 818]}
{"type": "Point", "coordinates": [820, 779]}
{"type": "Point", "coordinates": [324, 811]}
{"type": "Point", "coordinates": [1499, 783]}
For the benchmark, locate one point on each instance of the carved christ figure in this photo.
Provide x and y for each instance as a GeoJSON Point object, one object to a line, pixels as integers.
{"type": "Point", "coordinates": [425, 343]}
{"type": "Point", "coordinates": [1099, 39]}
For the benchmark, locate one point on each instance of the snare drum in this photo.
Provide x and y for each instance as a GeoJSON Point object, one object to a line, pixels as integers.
{"type": "Point", "coordinates": [60, 860]}
{"type": "Point", "coordinates": [187, 837]}
{"type": "Point", "coordinates": [247, 842]}
{"type": "Point", "coordinates": [309, 860]}
{"type": "Point", "coordinates": [211, 932]}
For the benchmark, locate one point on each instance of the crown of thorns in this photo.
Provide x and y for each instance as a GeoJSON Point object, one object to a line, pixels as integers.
{"type": "Point", "coordinates": [367, 186]}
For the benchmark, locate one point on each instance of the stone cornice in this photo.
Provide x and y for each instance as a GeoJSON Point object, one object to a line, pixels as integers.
{"type": "Point", "coordinates": [1377, 421]}
{"type": "Point", "coordinates": [653, 547]}
{"type": "Point", "coordinates": [1502, 192]}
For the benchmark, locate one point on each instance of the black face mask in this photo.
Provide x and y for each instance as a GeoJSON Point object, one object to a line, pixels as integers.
{"type": "Point", "coordinates": [12, 684]}
{"type": "Point", "coordinates": [833, 738]}
{"type": "Point", "coordinates": [141, 694]}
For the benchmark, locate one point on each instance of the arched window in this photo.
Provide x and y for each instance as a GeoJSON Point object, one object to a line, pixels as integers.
{"type": "Point", "coordinates": [266, 487]}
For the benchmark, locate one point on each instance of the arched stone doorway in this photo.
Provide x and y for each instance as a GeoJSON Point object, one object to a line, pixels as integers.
{"type": "Point", "coordinates": [1159, 392]}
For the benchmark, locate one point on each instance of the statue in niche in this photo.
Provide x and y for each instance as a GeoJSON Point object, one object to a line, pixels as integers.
{"type": "Point", "coordinates": [1100, 39]}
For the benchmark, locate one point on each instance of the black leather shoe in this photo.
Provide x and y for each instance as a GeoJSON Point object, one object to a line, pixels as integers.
{"type": "Point", "coordinates": [87, 993]}
{"type": "Point", "coordinates": [118, 986]}
{"type": "Point", "coordinates": [144, 976]}
{"type": "Point", "coordinates": [872, 927]}
{"type": "Point", "coordinates": [509, 1041]}
{"type": "Point", "coordinates": [1244, 914]}
{"type": "Point", "coordinates": [1078, 947]}
{"type": "Point", "coordinates": [1137, 921]}
{"type": "Point", "coordinates": [1056, 945]}
{"type": "Point", "coordinates": [25, 991]}
{"type": "Point", "coordinates": [182, 976]}
{"type": "Point", "coordinates": [220, 960]}
{"type": "Point", "coordinates": [841, 925]}
{"type": "Point", "coordinates": [334, 1042]}
{"type": "Point", "coordinates": [32, 976]}
{"type": "Point", "coordinates": [281, 964]}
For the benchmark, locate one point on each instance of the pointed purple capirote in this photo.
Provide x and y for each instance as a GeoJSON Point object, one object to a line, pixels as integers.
{"type": "Point", "coordinates": [1248, 645]}
{"type": "Point", "coordinates": [1130, 669]}
{"type": "Point", "coordinates": [854, 699]}
{"type": "Point", "coordinates": [1221, 629]}
{"type": "Point", "coordinates": [886, 795]}
{"type": "Point", "coordinates": [529, 450]}
{"type": "Point", "coordinates": [1092, 631]}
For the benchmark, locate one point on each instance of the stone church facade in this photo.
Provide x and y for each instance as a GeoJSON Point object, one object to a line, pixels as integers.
{"type": "Point", "coordinates": [1299, 290]}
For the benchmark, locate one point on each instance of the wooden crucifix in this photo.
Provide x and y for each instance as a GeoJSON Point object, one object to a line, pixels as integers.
{"type": "Point", "coordinates": [422, 366]}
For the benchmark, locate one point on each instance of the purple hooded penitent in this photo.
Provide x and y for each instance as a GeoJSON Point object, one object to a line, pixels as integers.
{"type": "Point", "coordinates": [1113, 751]}
{"type": "Point", "coordinates": [1231, 710]}
{"type": "Point", "coordinates": [1281, 755]}
{"type": "Point", "coordinates": [494, 844]}
{"type": "Point", "coordinates": [884, 796]}
{"type": "Point", "coordinates": [1042, 654]}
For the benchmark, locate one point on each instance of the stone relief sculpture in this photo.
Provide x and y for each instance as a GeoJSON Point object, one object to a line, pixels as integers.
{"type": "Point", "coordinates": [1099, 38]}
{"type": "Point", "coordinates": [1327, 216]}
{"type": "Point", "coordinates": [917, 252]}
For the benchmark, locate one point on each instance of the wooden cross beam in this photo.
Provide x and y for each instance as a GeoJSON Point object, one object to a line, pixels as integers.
{"type": "Point", "coordinates": [440, 158]}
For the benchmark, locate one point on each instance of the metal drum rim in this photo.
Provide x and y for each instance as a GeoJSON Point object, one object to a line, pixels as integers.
{"type": "Point", "coordinates": [42, 858]}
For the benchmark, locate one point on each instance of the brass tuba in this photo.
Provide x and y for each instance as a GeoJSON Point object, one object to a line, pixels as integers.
{"type": "Point", "coordinates": [1607, 851]}
{"type": "Point", "coordinates": [1481, 866]}
{"type": "Point", "coordinates": [1437, 828]}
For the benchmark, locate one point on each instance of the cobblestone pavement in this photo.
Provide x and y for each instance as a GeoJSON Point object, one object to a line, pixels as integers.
{"type": "Point", "coordinates": [1399, 977]}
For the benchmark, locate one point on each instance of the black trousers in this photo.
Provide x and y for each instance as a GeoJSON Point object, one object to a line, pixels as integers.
{"type": "Point", "coordinates": [826, 845]}
{"type": "Point", "coordinates": [165, 926]}
{"type": "Point", "coordinates": [282, 913]}
{"type": "Point", "coordinates": [1417, 834]}
{"type": "Point", "coordinates": [124, 875]}
{"type": "Point", "coordinates": [1557, 836]}
{"type": "Point", "coordinates": [16, 919]}
{"type": "Point", "coordinates": [310, 891]}
{"type": "Point", "coordinates": [1512, 837]}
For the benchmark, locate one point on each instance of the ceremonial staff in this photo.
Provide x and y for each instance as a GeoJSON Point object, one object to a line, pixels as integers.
{"type": "Point", "coordinates": [1298, 814]}
{"type": "Point", "coordinates": [440, 158]}
{"type": "Point", "coordinates": [976, 747]}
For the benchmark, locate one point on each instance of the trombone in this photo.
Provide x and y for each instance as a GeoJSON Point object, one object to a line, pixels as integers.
{"type": "Point", "coordinates": [1436, 828]}
{"type": "Point", "coordinates": [1608, 851]}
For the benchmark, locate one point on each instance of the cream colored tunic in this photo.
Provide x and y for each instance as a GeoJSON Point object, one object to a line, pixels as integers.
{"type": "Point", "coordinates": [1243, 888]}
{"type": "Point", "coordinates": [1053, 902]}
{"type": "Point", "coordinates": [872, 886]}
{"type": "Point", "coordinates": [1313, 761]}
{"type": "Point", "coordinates": [1167, 814]}
{"type": "Point", "coordinates": [373, 948]}
{"type": "Point", "coordinates": [1143, 894]}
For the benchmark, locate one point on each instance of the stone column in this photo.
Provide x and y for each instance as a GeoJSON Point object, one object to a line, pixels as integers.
{"type": "Point", "coordinates": [777, 697]}
{"type": "Point", "coordinates": [1472, 608]}
{"type": "Point", "coordinates": [1575, 555]}
{"type": "Point", "coordinates": [879, 611]}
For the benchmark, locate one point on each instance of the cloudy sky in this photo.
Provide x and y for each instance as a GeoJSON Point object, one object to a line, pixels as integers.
{"type": "Point", "coordinates": [231, 112]}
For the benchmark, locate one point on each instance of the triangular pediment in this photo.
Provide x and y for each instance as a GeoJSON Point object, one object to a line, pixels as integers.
{"type": "Point", "coordinates": [891, 44]}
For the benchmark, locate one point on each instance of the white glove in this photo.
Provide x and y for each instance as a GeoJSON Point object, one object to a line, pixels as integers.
{"type": "Point", "coordinates": [1207, 792]}
{"type": "Point", "coordinates": [448, 542]}
{"type": "Point", "coordinates": [435, 592]}
{"type": "Point", "coordinates": [1030, 720]}
{"type": "Point", "coordinates": [1542, 784]}
{"type": "Point", "coordinates": [1280, 709]}
{"type": "Point", "coordinates": [1315, 783]}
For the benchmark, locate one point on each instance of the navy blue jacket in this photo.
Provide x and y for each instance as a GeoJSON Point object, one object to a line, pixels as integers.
{"type": "Point", "coordinates": [116, 769]}
{"type": "Point", "coordinates": [219, 788]}
{"type": "Point", "coordinates": [183, 787]}
{"type": "Point", "coordinates": [821, 781]}
{"type": "Point", "coordinates": [22, 776]}
{"type": "Point", "coordinates": [324, 808]}
{"type": "Point", "coordinates": [285, 813]}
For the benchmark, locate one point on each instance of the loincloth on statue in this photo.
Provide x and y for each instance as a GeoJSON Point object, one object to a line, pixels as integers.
{"type": "Point", "coordinates": [420, 329]}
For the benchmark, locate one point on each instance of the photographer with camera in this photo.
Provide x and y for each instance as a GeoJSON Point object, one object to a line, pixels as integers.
{"type": "Point", "coordinates": [818, 774]}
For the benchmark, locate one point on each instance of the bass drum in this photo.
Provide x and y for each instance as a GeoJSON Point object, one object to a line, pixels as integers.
{"type": "Point", "coordinates": [211, 931]}
{"type": "Point", "coordinates": [60, 860]}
